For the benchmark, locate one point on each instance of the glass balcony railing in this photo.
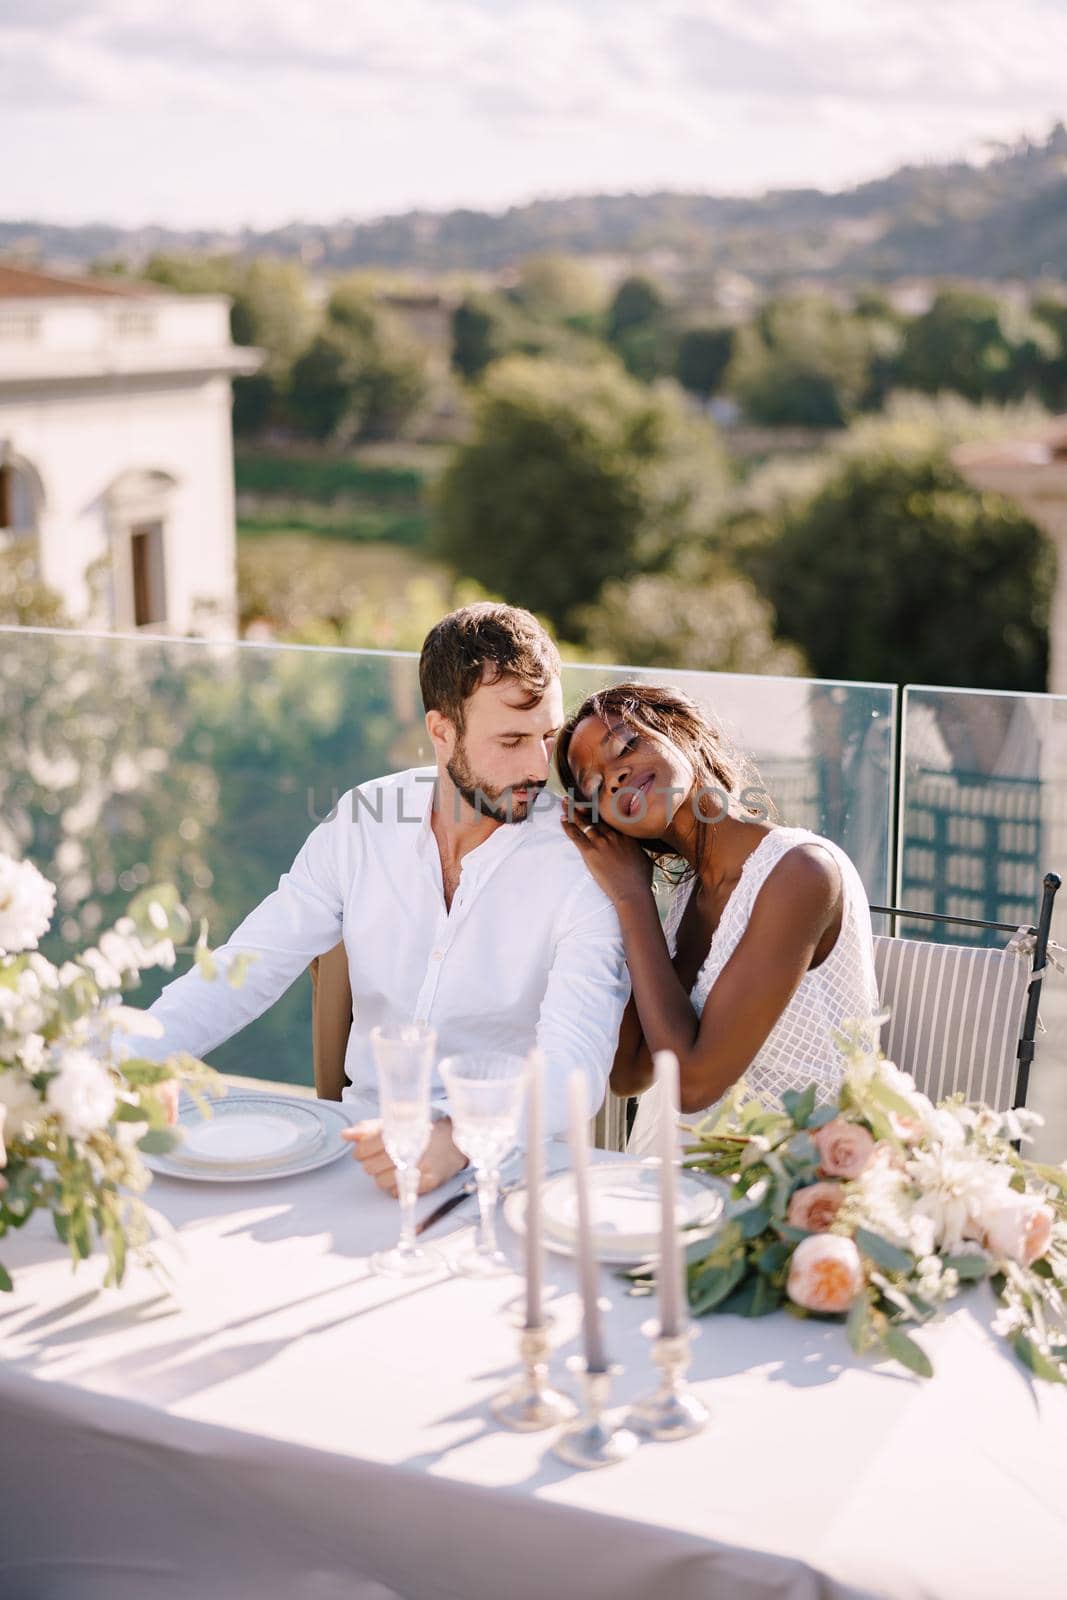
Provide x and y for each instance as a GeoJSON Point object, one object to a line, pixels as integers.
{"type": "Point", "coordinates": [983, 817]}
{"type": "Point", "coordinates": [129, 760]}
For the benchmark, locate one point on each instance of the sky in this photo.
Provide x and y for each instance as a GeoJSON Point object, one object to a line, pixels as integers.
{"type": "Point", "coordinates": [224, 113]}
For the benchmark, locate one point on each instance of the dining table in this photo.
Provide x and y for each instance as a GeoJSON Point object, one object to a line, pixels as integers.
{"type": "Point", "coordinates": [258, 1416]}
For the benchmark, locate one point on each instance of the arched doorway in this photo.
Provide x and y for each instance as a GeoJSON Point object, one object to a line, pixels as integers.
{"type": "Point", "coordinates": [21, 499]}
{"type": "Point", "coordinates": [139, 512]}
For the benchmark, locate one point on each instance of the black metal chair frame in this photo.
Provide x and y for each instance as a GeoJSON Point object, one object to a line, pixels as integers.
{"type": "Point", "coordinates": [1040, 930]}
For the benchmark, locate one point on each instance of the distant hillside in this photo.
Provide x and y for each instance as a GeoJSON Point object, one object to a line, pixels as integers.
{"type": "Point", "coordinates": [1007, 218]}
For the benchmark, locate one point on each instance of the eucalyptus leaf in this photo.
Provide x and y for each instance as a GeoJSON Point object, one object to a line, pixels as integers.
{"type": "Point", "coordinates": [6, 1284]}
{"type": "Point", "coordinates": [969, 1268]}
{"type": "Point", "coordinates": [140, 1073]}
{"type": "Point", "coordinates": [1039, 1364]}
{"type": "Point", "coordinates": [753, 1221]}
{"type": "Point", "coordinates": [772, 1259]}
{"type": "Point", "coordinates": [903, 1348]}
{"type": "Point", "coordinates": [821, 1116]}
{"type": "Point", "coordinates": [711, 1287]}
{"type": "Point", "coordinates": [856, 1325]}
{"type": "Point", "coordinates": [754, 1297]}
{"type": "Point", "coordinates": [800, 1104]}
{"type": "Point", "coordinates": [885, 1255]}
{"type": "Point", "coordinates": [157, 1141]}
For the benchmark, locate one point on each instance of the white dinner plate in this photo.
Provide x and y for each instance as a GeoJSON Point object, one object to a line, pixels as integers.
{"type": "Point", "coordinates": [624, 1203]}
{"type": "Point", "coordinates": [698, 1214]}
{"type": "Point", "coordinates": [253, 1136]}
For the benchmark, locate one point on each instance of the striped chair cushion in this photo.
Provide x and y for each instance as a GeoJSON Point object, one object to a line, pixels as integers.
{"type": "Point", "coordinates": [955, 1016]}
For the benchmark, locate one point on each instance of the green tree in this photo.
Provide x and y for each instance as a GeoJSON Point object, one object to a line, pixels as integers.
{"type": "Point", "coordinates": [804, 362]}
{"type": "Point", "coordinates": [482, 332]}
{"type": "Point", "coordinates": [700, 616]}
{"type": "Point", "coordinates": [488, 327]}
{"type": "Point", "coordinates": [703, 356]}
{"type": "Point", "coordinates": [639, 329]}
{"type": "Point", "coordinates": [574, 475]}
{"type": "Point", "coordinates": [637, 303]}
{"type": "Point", "coordinates": [360, 377]}
{"type": "Point", "coordinates": [974, 344]}
{"type": "Point", "coordinates": [559, 286]}
{"type": "Point", "coordinates": [894, 569]}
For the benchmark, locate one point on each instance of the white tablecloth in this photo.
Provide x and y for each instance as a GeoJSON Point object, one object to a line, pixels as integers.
{"type": "Point", "coordinates": [280, 1424]}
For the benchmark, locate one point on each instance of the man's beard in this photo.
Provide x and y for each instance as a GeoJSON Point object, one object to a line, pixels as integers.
{"type": "Point", "coordinates": [485, 798]}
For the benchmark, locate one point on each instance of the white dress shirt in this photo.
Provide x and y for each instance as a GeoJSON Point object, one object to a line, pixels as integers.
{"type": "Point", "coordinates": [530, 951]}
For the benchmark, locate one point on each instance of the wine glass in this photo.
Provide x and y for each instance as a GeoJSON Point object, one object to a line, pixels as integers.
{"type": "Point", "coordinates": [403, 1055]}
{"type": "Point", "coordinates": [485, 1096]}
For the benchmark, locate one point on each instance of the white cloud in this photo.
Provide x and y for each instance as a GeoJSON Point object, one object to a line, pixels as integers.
{"type": "Point", "coordinates": [486, 100]}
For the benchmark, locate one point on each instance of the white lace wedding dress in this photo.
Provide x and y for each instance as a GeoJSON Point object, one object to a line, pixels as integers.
{"type": "Point", "coordinates": [799, 1048]}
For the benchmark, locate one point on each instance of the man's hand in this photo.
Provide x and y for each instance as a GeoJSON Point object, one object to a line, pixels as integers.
{"type": "Point", "coordinates": [440, 1161]}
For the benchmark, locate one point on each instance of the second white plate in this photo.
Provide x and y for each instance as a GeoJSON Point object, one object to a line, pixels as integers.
{"type": "Point", "coordinates": [259, 1136]}
{"type": "Point", "coordinates": [613, 1252]}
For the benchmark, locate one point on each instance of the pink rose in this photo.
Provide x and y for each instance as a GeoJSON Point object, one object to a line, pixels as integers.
{"type": "Point", "coordinates": [3, 1149]}
{"type": "Point", "coordinates": [1019, 1229]}
{"type": "Point", "coordinates": [814, 1207]}
{"type": "Point", "coordinates": [825, 1274]}
{"type": "Point", "coordinates": [844, 1148]}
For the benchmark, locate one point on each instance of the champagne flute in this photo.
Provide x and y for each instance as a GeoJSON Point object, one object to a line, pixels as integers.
{"type": "Point", "coordinates": [403, 1055]}
{"type": "Point", "coordinates": [485, 1095]}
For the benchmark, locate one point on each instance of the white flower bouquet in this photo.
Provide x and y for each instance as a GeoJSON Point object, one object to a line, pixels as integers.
{"type": "Point", "coordinates": [79, 1107]}
{"type": "Point", "coordinates": [881, 1208]}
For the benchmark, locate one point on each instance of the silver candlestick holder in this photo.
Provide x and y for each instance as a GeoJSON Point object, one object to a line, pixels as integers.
{"type": "Point", "coordinates": [673, 1411]}
{"type": "Point", "coordinates": [591, 1441]}
{"type": "Point", "coordinates": [531, 1403]}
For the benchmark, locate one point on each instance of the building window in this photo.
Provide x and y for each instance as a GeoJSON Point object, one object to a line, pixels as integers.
{"type": "Point", "coordinates": [149, 591]}
{"type": "Point", "coordinates": [18, 504]}
{"type": "Point", "coordinates": [19, 327]}
{"type": "Point", "coordinates": [135, 324]}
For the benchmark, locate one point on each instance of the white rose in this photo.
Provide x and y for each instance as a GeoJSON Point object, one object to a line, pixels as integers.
{"type": "Point", "coordinates": [3, 1149]}
{"type": "Point", "coordinates": [27, 901]}
{"type": "Point", "coordinates": [20, 1101]}
{"type": "Point", "coordinates": [82, 1095]}
{"type": "Point", "coordinates": [1018, 1229]}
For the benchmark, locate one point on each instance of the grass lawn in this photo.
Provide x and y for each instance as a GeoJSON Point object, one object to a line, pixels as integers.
{"type": "Point", "coordinates": [378, 495]}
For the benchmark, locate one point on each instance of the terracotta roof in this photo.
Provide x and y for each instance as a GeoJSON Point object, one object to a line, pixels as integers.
{"type": "Point", "coordinates": [19, 283]}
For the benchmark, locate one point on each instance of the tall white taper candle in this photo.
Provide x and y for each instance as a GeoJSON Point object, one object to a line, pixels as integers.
{"type": "Point", "coordinates": [669, 1279]}
{"type": "Point", "coordinates": [535, 1165]}
{"type": "Point", "coordinates": [578, 1108]}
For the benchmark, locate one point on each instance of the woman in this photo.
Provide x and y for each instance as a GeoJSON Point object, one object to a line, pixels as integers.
{"type": "Point", "coordinates": [766, 947]}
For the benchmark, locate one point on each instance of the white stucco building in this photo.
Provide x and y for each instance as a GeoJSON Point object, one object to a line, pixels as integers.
{"type": "Point", "coordinates": [116, 449]}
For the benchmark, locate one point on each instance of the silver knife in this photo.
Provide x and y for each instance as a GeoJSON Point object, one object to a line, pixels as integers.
{"type": "Point", "coordinates": [464, 1192]}
{"type": "Point", "coordinates": [454, 1200]}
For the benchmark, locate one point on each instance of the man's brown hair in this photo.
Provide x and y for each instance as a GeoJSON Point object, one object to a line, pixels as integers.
{"type": "Point", "coordinates": [483, 643]}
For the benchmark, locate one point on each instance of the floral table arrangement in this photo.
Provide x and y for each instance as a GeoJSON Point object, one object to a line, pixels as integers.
{"type": "Point", "coordinates": [881, 1208]}
{"type": "Point", "coordinates": [79, 1108]}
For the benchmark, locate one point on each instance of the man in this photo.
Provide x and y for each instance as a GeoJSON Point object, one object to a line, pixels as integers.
{"type": "Point", "coordinates": [460, 901]}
